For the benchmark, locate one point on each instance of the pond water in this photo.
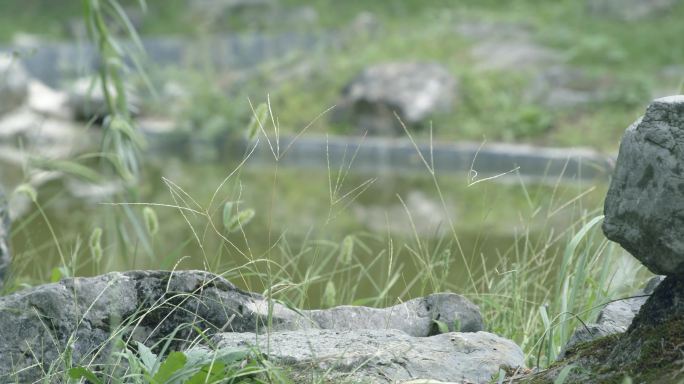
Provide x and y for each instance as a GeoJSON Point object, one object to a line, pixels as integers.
{"type": "Point", "coordinates": [372, 234]}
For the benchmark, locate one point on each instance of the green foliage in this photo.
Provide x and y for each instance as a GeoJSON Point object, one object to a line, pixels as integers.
{"type": "Point", "coordinates": [208, 112]}
{"type": "Point", "coordinates": [628, 61]}
{"type": "Point", "coordinates": [121, 142]}
{"type": "Point", "coordinates": [531, 121]}
{"type": "Point", "coordinates": [194, 366]}
{"type": "Point", "coordinates": [84, 373]}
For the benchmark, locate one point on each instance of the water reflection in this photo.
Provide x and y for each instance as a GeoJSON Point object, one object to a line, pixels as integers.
{"type": "Point", "coordinates": [398, 223]}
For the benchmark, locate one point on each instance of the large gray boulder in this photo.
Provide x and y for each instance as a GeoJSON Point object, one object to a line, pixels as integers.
{"type": "Point", "coordinates": [5, 257]}
{"type": "Point", "coordinates": [414, 90]}
{"type": "Point", "coordinates": [37, 325]}
{"type": "Point", "coordinates": [644, 207]}
{"type": "Point", "coordinates": [383, 356]}
{"type": "Point", "coordinates": [13, 83]}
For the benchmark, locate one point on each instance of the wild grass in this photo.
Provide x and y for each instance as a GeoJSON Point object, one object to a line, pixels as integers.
{"type": "Point", "coordinates": [550, 277]}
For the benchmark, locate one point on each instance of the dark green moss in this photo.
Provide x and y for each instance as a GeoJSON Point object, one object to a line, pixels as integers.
{"type": "Point", "coordinates": [653, 354]}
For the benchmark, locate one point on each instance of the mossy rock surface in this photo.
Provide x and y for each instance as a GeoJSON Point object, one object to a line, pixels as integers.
{"type": "Point", "coordinates": [651, 351]}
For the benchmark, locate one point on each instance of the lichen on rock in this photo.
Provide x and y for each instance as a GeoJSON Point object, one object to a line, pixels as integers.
{"type": "Point", "coordinates": [644, 207]}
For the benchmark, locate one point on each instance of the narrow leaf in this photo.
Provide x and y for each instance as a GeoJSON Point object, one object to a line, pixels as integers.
{"type": "Point", "coordinates": [68, 167]}
{"type": "Point", "coordinates": [174, 362]}
{"type": "Point", "coordinates": [84, 373]}
{"type": "Point", "coordinates": [148, 358]}
{"type": "Point", "coordinates": [210, 373]}
{"type": "Point", "coordinates": [258, 119]}
{"type": "Point", "coordinates": [563, 375]}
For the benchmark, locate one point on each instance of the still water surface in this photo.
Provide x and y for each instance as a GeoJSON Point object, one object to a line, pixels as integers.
{"type": "Point", "coordinates": [396, 224]}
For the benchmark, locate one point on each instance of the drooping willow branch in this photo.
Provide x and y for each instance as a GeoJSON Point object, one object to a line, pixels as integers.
{"type": "Point", "coordinates": [121, 142]}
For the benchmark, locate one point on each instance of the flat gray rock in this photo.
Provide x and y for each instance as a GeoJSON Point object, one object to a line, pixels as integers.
{"type": "Point", "coordinates": [644, 207]}
{"type": "Point", "coordinates": [620, 313]}
{"type": "Point", "coordinates": [383, 356]}
{"type": "Point", "coordinates": [417, 317]}
{"type": "Point", "coordinates": [37, 324]}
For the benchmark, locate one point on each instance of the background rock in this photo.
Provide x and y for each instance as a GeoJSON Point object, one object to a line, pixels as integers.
{"type": "Point", "coordinates": [384, 356]}
{"type": "Point", "coordinates": [513, 54]}
{"type": "Point", "coordinates": [13, 83]}
{"type": "Point", "coordinates": [411, 89]}
{"type": "Point", "coordinates": [88, 102]}
{"type": "Point", "coordinates": [47, 101]}
{"type": "Point", "coordinates": [365, 23]}
{"type": "Point", "coordinates": [506, 46]}
{"type": "Point", "coordinates": [43, 136]}
{"type": "Point", "coordinates": [629, 10]}
{"type": "Point", "coordinates": [428, 216]}
{"type": "Point", "coordinates": [644, 207]}
{"type": "Point", "coordinates": [480, 30]}
{"type": "Point", "coordinates": [564, 87]}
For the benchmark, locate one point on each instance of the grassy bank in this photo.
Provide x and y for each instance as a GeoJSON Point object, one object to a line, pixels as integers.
{"type": "Point", "coordinates": [629, 65]}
